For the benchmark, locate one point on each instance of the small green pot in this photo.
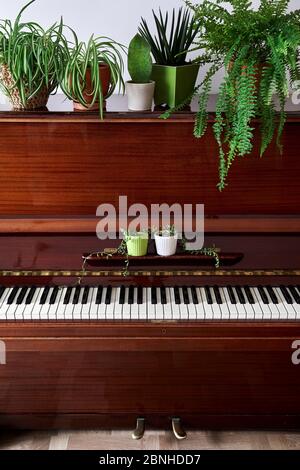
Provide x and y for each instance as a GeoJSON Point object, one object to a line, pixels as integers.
{"type": "Point", "coordinates": [173, 84]}
{"type": "Point", "coordinates": [137, 245]}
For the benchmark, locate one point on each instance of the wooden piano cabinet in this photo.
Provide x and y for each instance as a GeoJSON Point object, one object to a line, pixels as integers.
{"type": "Point", "coordinates": [56, 168]}
{"type": "Point", "coordinates": [106, 374]}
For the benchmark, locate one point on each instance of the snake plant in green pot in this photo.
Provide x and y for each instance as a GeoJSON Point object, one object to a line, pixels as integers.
{"type": "Point", "coordinates": [259, 49]}
{"type": "Point", "coordinates": [31, 61]}
{"type": "Point", "coordinates": [140, 88]}
{"type": "Point", "coordinates": [92, 72]}
{"type": "Point", "coordinates": [174, 76]}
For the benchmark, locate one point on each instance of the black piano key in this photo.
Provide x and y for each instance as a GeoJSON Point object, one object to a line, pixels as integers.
{"type": "Point", "coordinates": [99, 295]}
{"type": "Point", "coordinates": [30, 295]}
{"type": "Point", "coordinates": [68, 295]}
{"type": "Point", "coordinates": [44, 296]}
{"type": "Point", "coordinates": [140, 299]}
{"type": "Point", "coordinates": [231, 295]}
{"type": "Point", "coordinates": [240, 294]}
{"type": "Point", "coordinates": [12, 295]}
{"type": "Point", "coordinates": [54, 295]}
{"type": "Point", "coordinates": [108, 295]}
{"type": "Point", "coordinates": [194, 295]}
{"type": "Point", "coordinates": [208, 295]}
{"type": "Point", "coordinates": [294, 294]}
{"type": "Point", "coordinates": [186, 299]}
{"type": "Point", "coordinates": [263, 295]}
{"type": "Point", "coordinates": [272, 295]}
{"type": "Point", "coordinates": [21, 295]}
{"type": "Point", "coordinates": [177, 295]}
{"type": "Point", "coordinates": [217, 295]}
{"type": "Point", "coordinates": [153, 295]}
{"type": "Point", "coordinates": [122, 295]}
{"type": "Point", "coordinates": [163, 295]}
{"type": "Point", "coordinates": [286, 295]}
{"type": "Point", "coordinates": [249, 295]}
{"type": "Point", "coordinates": [131, 295]}
{"type": "Point", "coordinates": [76, 295]}
{"type": "Point", "coordinates": [85, 295]}
{"type": "Point", "coordinates": [2, 290]}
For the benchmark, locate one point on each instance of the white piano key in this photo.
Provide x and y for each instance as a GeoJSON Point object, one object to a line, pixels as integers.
{"type": "Point", "coordinates": [266, 311]}
{"type": "Point", "coordinates": [118, 306]}
{"type": "Point", "coordinates": [52, 312]}
{"type": "Point", "coordinates": [28, 308]}
{"type": "Point", "coordinates": [70, 307]}
{"type": "Point", "coordinates": [93, 312]}
{"type": "Point", "coordinates": [208, 308]}
{"type": "Point", "coordinates": [275, 314]}
{"type": "Point", "coordinates": [111, 307]}
{"type": "Point", "coordinates": [85, 309]}
{"type": "Point", "coordinates": [126, 306]}
{"type": "Point", "coordinates": [77, 307]}
{"type": "Point", "coordinates": [143, 306]}
{"type": "Point", "coordinates": [224, 307]}
{"type": "Point", "coordinates": [232, 309]}
{"type": "Point", "coordinates": [216, 308]}
{"type": "Point", "coordinates": [289, 308]}
{"type": "Point", "coordinates": [200, 311]}
{"type": "Point", "coordinates": [175, 307]}
{"type": "Point", "coordinates": [241, 309]}
{"type": "Point", "coordinates": [11, 309]}
{"type": "Point", "coordinates": [151, 308]}
{"type": "Point", "coordinates": [159, 310]}
{"type": "Point", "coordinates": [257, 307]}
{"type": "Point", "coordinates": [168, 315]}
{"type": "Point", "coordinates": [134, 309]}
{"type": "Point", "coordinates": [36, 307]}
{"type": "Point", "coordinates": [184, 308]}
{"type": "Point", "coordinates": [101, 313]}
{"type": "Point", "coordinates": [250, 315]}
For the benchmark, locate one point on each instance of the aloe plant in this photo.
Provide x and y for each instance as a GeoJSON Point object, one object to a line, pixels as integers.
{"type": "Point", "coordinates": [139, 60]}
{"type": "Point", "coordinates": [173, 40]}
{"type": "Point", "coordinates": [31, 58]}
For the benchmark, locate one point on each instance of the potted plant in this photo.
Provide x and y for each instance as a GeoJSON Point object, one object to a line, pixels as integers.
{"type": "Point", "coordinates": [92, 72]}
{"type": "Point", "coordinates": [166, 241]}
{"type": "Point", "coordinates": [31, 61]}
{"type": "Point", "coordinates": [140, 89]}
{"type": "Point", "coordinates": [260, 51]}
{"type": "Point", "coordinates": [175, 78]}
{"type": "Point", "coordinates": [136, 243]}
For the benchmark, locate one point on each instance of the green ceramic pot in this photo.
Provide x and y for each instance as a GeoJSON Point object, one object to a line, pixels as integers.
{"type": "Point", "coordinates": [137, 245]}
{"type": "Point", "coordinates": [173, 84]}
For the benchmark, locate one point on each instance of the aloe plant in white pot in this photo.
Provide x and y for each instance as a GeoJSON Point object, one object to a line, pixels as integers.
{"type": "Point", "coordinates": [166, 241]}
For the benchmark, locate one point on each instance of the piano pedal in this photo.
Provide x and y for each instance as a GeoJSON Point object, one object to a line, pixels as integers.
{"type": "Point", "coordinates": [139, 431]}
{"type": "Point", "coordinates": [178, 430]}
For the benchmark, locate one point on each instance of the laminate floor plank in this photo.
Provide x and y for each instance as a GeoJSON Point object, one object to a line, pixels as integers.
{"type": "Point", "coordinates": [153, 440]}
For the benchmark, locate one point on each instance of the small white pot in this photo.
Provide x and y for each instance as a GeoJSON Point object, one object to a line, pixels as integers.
{"type": "Point", "coordinates": [166, 245]}
{"type": "Point", "coordinates": [140, 95]}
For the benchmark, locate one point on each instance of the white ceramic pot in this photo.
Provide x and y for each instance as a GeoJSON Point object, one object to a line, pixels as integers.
{"type": "Point", "coordinates": [166, 245]}
{"type": "Point", "coordinates": [140, 95]}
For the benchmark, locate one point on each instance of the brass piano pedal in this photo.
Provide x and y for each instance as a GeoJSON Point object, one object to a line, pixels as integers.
{"type": "Point", "coordinates": [138, 433]}
{"type": "Point", "coordinates": [178, 430]}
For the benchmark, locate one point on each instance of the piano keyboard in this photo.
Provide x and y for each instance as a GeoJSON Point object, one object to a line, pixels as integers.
{"type": "Point", "coordinates": [150, 303]}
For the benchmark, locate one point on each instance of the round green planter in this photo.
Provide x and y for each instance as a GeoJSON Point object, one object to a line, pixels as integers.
{"type": "Point", "coordinates": [173, 84]}
{"type": "Point", "coordinates": [137, 245]}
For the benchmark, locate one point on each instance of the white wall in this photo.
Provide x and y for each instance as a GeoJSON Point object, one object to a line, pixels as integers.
{"type": "Point", "coordinates": [118, 19]}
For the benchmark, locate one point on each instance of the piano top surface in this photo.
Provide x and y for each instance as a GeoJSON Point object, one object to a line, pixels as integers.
{"type": "Point", "coordinates": [59, 107]}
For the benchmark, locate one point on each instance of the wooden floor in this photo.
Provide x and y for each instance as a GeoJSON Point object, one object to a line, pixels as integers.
{"type": "Point", "coordinates": [121, 440]}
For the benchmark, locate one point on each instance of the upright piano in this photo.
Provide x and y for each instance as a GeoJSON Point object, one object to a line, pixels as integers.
{"type": "Point", "coordinates": [212, 347]}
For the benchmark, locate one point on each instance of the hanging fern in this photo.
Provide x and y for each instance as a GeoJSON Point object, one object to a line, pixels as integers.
{"type": "Point", "coordinates": [259, 49]}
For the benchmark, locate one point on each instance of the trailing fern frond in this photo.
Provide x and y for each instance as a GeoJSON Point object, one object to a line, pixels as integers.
{"type": "Point", "coordinates": [260, 50]}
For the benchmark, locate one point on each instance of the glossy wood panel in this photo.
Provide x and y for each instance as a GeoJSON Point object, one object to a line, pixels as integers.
{"type": "Point", "coordinates": [67, 168]}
